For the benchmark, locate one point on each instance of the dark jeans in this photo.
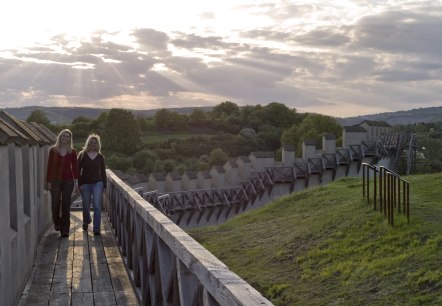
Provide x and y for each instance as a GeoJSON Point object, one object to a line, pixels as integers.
{"type": "Point", "coordinates": [61, 192]}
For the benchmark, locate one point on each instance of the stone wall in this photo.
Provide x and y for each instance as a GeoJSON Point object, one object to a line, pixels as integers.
{"type": "Point", "coordinates": [25, 205]}
{"type": "Point", "coordinates": [215, 197]}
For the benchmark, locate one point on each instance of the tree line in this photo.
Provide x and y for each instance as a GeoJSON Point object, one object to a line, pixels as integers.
{"type": "Point", "coordinates": [227, 131]}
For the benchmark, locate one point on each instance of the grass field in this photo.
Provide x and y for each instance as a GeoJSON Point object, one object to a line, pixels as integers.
{"type": "Point", "coordinates": [326, 246]}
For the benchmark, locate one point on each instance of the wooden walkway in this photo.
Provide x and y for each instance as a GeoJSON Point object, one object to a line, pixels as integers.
{"type": "Point", "coordinates": [80, 270]}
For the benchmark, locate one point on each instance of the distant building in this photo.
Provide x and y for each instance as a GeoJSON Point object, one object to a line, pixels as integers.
{"type": "Point", "coordinates": [376, 129]}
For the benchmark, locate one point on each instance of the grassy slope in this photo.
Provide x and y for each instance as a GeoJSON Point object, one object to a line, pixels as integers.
{"type": "Point", "coordinates": [325, 246]}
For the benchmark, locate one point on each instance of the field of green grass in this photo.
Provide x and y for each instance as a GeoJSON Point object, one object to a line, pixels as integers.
{"type": "Point", "coordinates": [326, 246]}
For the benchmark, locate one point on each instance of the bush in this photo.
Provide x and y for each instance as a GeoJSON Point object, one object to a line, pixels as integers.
{"type": "Point", "coordinates": [118, 162]}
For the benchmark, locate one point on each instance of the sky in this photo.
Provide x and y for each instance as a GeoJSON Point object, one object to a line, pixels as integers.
{"type": "Point", "coordinates": [338, 58]}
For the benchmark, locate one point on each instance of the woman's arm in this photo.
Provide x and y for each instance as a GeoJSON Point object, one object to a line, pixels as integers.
{"type": "Point", "coordinates": [103, 172]}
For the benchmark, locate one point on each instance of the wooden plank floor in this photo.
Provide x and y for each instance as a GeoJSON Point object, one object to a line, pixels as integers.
{"type": "Point", "coordinates": [82, 269]}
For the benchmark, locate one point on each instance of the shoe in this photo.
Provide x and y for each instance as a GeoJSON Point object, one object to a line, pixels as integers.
{"type": "Point", "coordinates": [64, 234]}
{"type": "Point", "coordinates": [57, 228]}
{"type": "Point", "coordinates": [97, 233]}
{"type": "Point", "coordinates": [85, 224]}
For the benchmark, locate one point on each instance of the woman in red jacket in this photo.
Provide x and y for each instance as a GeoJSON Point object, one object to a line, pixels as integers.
{"type": "Point", "coordinates": [61, 179]}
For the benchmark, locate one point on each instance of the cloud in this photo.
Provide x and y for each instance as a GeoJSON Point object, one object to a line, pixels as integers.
{"type": "Point", "coordinates": [401, 33]}
{"type": "Point", "coordinates": [152, 41]}
{"type": "Point", "coordinates": [322, 38]}
{"type": "Point", "coordinates": [314, 57]}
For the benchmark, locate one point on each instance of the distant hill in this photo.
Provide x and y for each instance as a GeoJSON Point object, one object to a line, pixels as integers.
{"type": "Point", "coordinates": [429, 114]}
{"type": "Point", "coordinates": [59, 115]}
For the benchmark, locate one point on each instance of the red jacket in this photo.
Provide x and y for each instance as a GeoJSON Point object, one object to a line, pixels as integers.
{"type": "Point", "coordinates": [61, 168]}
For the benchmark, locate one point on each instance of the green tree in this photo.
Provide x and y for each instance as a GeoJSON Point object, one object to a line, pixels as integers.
{"type": "Point", "coordinates": [217, 157]}
{"type": "Point", "coordinates": [144, 160]}
{"type": "Point", "coordinates": [118, 162]}
{"type": "Point", "coordinates": [121, 133]}
{"type": "Point", "coordinates": [161, 119]}
{"type": "Point", "coordinates": [279, 115]}
{"type": "Point", "coordinates": [225, 109]}
{"type": "Point", "coordinates": [169, 165]}
{"type": "Point", "coordinates": [40, 117]}
{"type": "Point", "coordinates": [146, 124]}
{"type": "Point", "coordinates": [197, 117]}
{"type": "Point", "coordinates": [313, 127]}
{"type": "Point", "coordinates": [271, 136]}
{"type": "Point", "coordinates": [80, 130]}
{"type": "Point", "coordinates": [170, 121]}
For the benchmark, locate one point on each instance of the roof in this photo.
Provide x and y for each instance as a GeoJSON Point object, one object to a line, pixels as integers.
{"type": "Point", "coordinates": [9, 134]}
{"type": "Point", "coordinates": [22, 132]}
{"type": "Point", "coordinates": [175, 175]}
{"type": "Point", "coordinates": [232, 163]}
{"type": "Point", "coordinates": [219, 169]}
{"type": "Point", "coordinates": [45, 133]}
{"type": "Point", "coordinates": [142, 177]}
{"type": "Point", "coordinates": [354, 129]}
{"type": "Point", "coordinates": [309, 142]}
{"type": "Point", "coordinates": [21, 127]}
{"type": "Point", "coordinates": [263, 154]}
{"type": "Point", "coordinates": [204, 174]}
{"type": "Point", "coordinates": [158, 176]}
{"type": "Point", "coordinates": [244, 159]}
{"type": "Point", "coordinates": [191, 175]}
{"type": "Point", "coordinates": [329, 136]}
{"type": "Point", "coordinates": [288, 147]}
{"type": "Point", "coordinates": [376, 123]}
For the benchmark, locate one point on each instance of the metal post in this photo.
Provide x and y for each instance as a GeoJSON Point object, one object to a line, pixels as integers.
{"type": "Point", "coordinates": [368, 185]}
{"type": "Point", "coordinates": [381, 189]}
{"type": "Point", "coordinates": [399, 197]}
{"type": "Point", "coordinates": [408, 203]}
{"type": "Point", "coordinates": [363, 180]}
{"type": "Point", "coordinates": [394, 190]}
{"type": "Point", "coordinates": [374, 186]}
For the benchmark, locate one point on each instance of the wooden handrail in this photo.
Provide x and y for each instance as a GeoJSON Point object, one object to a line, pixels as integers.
{"type": "Point", "coordinates": [165, 264]}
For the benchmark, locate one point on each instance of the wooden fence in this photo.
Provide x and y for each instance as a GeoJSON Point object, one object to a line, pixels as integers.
{"type": "Point", "coordinates": [166, 265]}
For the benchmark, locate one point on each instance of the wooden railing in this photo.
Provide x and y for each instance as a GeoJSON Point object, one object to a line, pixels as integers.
{"type": "Point", "coordinates": [166, 265]}
{"type": "Point", "coordinates": [389, 188]}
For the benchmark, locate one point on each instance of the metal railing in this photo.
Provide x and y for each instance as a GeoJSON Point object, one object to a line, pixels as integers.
{"type": "Point", "coordinates": [389, 188]}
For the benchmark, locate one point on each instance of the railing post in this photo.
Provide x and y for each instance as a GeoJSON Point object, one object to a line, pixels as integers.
{"type": "Point", "coordinates": [374, 186]}
{"type": "Point", "coordinates": [381, 189]}
{"type": "Point", "coordinates": [408, 202]}
{"type": "Point", "coordinates": [385, 192]}
{"type": "Point", "coordinates": [399, 196]}
{"type": "Point", "coordinates": [388, 198]}
{"type": "Point", "coordinates": [363, 180]}
{"type": "Point", "coordinates": [391, 193]}
{"type": "Point", "coordinates": [394, 191]}
{"type": "Point", "coordinates": [368, 184]}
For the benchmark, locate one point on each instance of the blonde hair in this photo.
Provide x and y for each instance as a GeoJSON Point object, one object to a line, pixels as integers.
{"type": "Point", "coordinates": [58, 142]}
{"type": "Point", "coordinates": [87, 148]}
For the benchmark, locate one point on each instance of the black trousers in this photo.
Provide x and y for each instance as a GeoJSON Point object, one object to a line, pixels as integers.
{"type": "Point", "coordinates": [61, 192]}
